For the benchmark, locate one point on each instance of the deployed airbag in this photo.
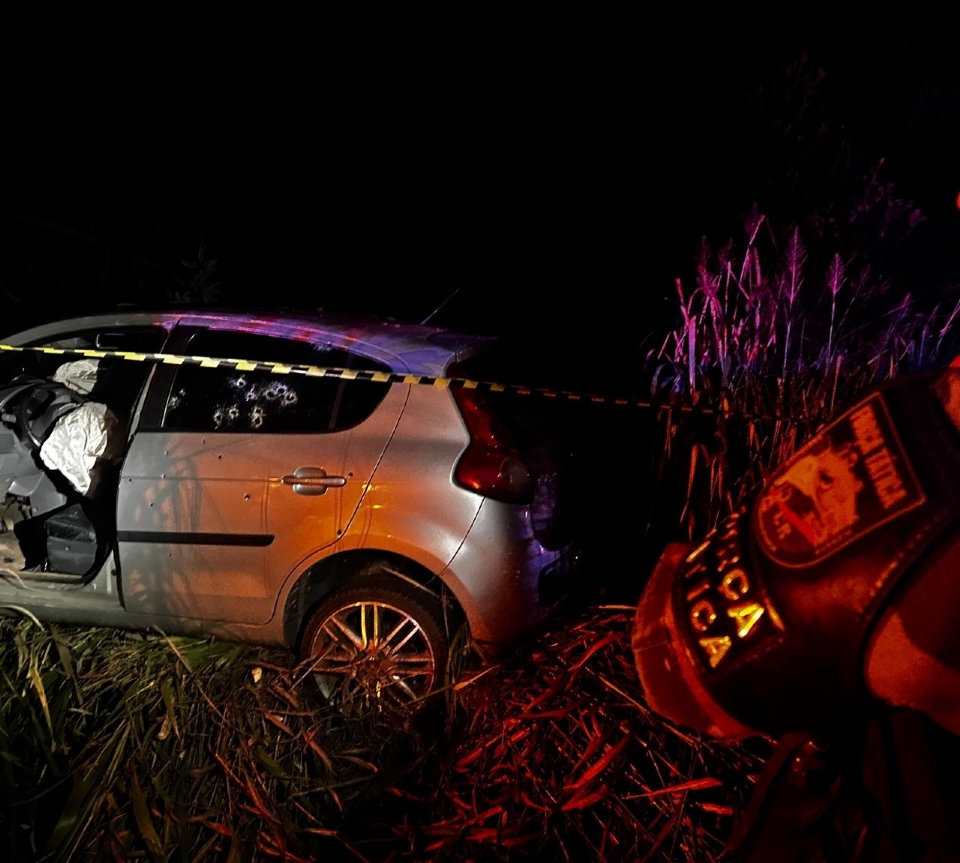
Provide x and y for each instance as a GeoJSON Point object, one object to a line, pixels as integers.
{"type": "Point", "coordinates": [79, 375]}
{"type": "Point", "coordinates": [82, 443]}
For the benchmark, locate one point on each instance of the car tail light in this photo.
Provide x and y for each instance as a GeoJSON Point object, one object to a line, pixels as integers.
{"type": "Point", "coordinates": [492, 465]}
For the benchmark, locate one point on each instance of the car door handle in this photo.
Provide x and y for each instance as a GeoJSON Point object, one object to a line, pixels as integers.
{"type": "Point", "coordinates": [312, 480]}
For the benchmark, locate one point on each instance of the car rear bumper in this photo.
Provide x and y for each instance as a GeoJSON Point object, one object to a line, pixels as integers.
{"type": "Point", "coordinates": [507, 582]}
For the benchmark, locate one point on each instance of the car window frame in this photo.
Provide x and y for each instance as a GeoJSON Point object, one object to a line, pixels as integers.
{"type": "Point", "coordinates": [91, 334]}
{"type": "Point", "coordinates": [154, 405]}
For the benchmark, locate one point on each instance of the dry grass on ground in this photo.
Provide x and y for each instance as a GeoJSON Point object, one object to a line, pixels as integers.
{"type": "Point", "coordinates": [118, 747]}
{"type": "Point", "coordinates": [558, 758]}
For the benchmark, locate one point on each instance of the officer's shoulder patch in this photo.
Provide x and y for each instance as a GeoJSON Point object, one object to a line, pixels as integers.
{"type": "Point", "coordinates": [852, 479]}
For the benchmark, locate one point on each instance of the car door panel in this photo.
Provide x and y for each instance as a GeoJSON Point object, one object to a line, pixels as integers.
{"type": "Point", "coordinates": [212, 522]}
{"type": "Point", "coordinates": [303, 522]}
{"type": "Point", "coordinates": [191, 526]}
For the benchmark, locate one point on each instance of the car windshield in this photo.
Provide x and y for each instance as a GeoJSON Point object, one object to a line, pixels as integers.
{"type": "Point", "coordinates": [37, 364]}
{"type": "Point", "coordinates": [33, 364]}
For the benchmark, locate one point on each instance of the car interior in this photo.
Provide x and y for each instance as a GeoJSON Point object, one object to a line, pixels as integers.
{"type": "Point", "coordinates": [58, 523]}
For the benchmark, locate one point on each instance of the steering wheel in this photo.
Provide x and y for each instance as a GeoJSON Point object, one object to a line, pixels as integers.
{"type": "Point", "coordinates": [9, 395]}
{"type": "Point", "coordinates": [40, 408]}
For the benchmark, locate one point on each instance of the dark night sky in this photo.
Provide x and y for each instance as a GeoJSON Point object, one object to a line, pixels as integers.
{"type": "Point", "coordinates": [557, 172]}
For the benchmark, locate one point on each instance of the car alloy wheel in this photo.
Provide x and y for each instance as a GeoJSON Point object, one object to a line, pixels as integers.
{"type": "Point", "coordinates": [377, 647]}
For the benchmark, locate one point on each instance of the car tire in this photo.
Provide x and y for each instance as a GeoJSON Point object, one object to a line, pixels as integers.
{"type": "Point", "coordinates": [377, 645]}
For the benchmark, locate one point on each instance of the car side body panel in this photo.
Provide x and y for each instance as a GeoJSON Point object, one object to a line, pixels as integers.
{"type": "Point", "coordinates": [209, 526]}
{"type": "Point", "coordinates": [411, 509]}
{"type": "Point", "coordinates": [215, 531]}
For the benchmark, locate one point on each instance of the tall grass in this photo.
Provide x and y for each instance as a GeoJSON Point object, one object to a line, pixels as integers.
{"type": "Point", "coordinates": [121, 747]}
{"type": "Point", "coordinates": [766, 350]}
{"type": "Point", "coordinates": [558, 758]}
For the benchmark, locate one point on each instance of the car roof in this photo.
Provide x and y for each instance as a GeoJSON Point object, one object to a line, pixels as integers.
{"type": "Point", "coordinates": [413, 348]}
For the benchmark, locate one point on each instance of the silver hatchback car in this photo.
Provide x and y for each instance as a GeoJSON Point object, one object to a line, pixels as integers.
{"type": "Point", "coordinates": [358, 518]}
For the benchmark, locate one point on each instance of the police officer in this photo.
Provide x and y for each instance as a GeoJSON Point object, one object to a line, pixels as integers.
{"type": "Point", "coordinates": [824, 614]}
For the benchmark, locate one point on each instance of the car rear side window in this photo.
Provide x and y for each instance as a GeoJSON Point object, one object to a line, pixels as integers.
{"type": "Point", "coordinates": [226, 399]}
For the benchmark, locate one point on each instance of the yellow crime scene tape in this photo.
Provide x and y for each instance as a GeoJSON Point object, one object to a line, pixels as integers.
{"type": "Point", "coordinates": [362, 375]}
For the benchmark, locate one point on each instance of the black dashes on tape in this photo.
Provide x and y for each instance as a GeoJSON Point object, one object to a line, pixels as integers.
{"type": "Point", "coordinates": [382, 378]}
{"type": "Point", "coordinates": [326, 372]}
